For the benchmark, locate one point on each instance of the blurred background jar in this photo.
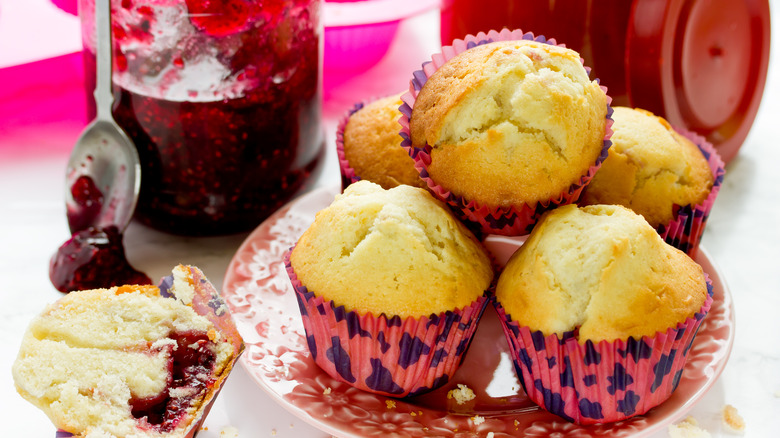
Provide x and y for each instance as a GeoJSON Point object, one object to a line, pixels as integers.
{"type": "Point", "coordinates": [701, 64]}
{"type": "Point", "coordinates": [223, 101]}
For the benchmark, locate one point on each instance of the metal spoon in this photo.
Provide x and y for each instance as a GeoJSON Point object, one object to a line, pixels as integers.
{"type": "Point", "coordinates": [103, 153]}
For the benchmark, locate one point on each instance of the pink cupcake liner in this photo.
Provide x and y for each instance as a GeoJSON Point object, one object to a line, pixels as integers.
{"type": "Point", "coordinates": [510, 221]}
{"type": "Point", "coordinates": [348, 175]}
{"type": "Point", "coordinates": [605, 382]}
{"type": "Point", "coordinates": [685, 230]}
{"type": "Point", "coordinates": [389, 356]}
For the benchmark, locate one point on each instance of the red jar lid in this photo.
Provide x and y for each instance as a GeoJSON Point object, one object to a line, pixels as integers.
{"type": "Point", "coordinates": [701, 64]}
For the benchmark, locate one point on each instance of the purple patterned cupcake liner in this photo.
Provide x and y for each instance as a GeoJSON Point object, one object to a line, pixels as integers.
{"type": "Point", "coordinates": [605, 382]}
{"type": "Point", "coordinates": [685, 230]}
{"type": "Point", "coordinates": [348, 175]}
{"type": "Point", "coordinates": [392, 356]}
{"type": "Point", "coordinates": [514, 220]}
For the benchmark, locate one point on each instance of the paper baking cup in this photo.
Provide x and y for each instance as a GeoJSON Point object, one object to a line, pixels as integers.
{"type": "Point", "coordinates": [685, 230]}
{"type": "Point", "coordinates": [385, 355]}
{"type": "Point", "coordinates": [208, 303]}
{"type": "Point", "coordinates": [348, 175]}
{"type": "Point", "coordinates": [511, 221]}
{"type": "Point", "coordinates": [604, 382]}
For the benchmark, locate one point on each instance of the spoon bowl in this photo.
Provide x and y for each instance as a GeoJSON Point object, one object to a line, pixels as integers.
{"type": "Point", "coordinates": [102, 179]}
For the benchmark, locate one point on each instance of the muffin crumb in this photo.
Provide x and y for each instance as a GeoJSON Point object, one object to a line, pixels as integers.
{"type": "Point", "coordinates": [732, 420]}
{"type": "Point", "coordinates": [326, 391]}
{"type": "Point", "coordinates": [228, 432]}
{"type": "Point", "coordinates": [390, 404]}
{"type": "Point", "coordinates": [688, 428]}
{"type": "Point", "coordinates": [478, 420]}
{"type": "Point", "coordinates": [461, 394]}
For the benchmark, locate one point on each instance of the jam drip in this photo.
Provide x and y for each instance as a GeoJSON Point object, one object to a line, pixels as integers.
{"type": "Point", "coordinates": [192, 373]}
{"type": "Point", "coordinates": [93, 258]}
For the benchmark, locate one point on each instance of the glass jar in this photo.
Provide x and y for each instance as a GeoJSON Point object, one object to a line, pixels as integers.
{"type": "Point", "coordinates": [223, 101]}
{"type": "Point", "coordinates": [701, 64]}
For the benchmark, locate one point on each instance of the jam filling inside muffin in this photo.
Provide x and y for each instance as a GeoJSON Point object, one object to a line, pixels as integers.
{"type": "Point", "coordinates": [191, 366]}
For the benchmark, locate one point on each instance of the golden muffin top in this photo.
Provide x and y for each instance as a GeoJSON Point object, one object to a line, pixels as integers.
{"type": "Point", "coordinates": [510, 122]}
{"type": "Point", "coordinates": [398, 252]}
{"type": "Point", "coordinates": [650, 168]}
{"type": "Point", "coordinates": [602, 269]}
{"type": "Point", "coordinates": [372, 145]}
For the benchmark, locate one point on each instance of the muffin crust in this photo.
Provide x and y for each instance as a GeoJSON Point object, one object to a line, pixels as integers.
{"type": "Point", "coordinates": [372, 145]}
{"type": "Point", "coordinates": [650, 168]}
{"type": "Point", "coordinates": [510, 122]}
{"type": "Point", "coordinates": [398, 252]}
{"type": "Point", "coordinates": [601, 269]}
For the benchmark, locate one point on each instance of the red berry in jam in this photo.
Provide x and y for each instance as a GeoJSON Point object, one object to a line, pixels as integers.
{"type": "Point", "coordinates": [93, 258]}
{"type": "Point", "coordinates": [219, 17]}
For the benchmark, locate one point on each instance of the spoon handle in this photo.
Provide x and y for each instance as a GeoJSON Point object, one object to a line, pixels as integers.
{"type": "Point", "coordinates": [104, 97]}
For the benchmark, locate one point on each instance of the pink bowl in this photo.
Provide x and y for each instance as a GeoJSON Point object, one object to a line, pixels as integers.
{"type": "Point", "coordinates": [356, 48]}
{"type": "Point", "coordinates": [359, 33]}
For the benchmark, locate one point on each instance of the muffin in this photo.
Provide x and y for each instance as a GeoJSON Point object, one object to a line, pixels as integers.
{"type": "Point", "coordinates": [507, 129]}
{"type": "Point", "coordinates": [600, 313]}
{"type": "Point", "coordinates": [369, 145]}
{"type": "Point", "coordinates": [395, 267]}
{"type": "Point", "coordinates": [132, 360]}
{"type": "Point", "coordinates": [656, 172]}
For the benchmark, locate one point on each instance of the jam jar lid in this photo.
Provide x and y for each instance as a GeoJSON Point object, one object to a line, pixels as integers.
{"type": "Point", "coordinates": [701, 63]}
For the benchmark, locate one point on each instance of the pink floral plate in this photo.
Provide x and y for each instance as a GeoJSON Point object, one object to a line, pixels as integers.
{"type": "Point", "coordinates": [263, 304]}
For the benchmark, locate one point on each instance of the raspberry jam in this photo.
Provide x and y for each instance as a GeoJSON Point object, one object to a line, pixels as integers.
{"type": "Point", "coordinates": [93, 258]}
{"type": "Point", "coordinates": [88, 201]}
{"type": "Point", "coordinates": [192, 373]}
{"type": "Point", "coordinates": [222, 100]}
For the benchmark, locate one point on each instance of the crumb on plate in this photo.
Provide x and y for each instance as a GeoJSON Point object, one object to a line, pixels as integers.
{"type": "Point", "coordinates": [732, 420]}
{"type": "Point", "coordinates": [228, 432]}
{"type": "Point", "coordinates": [461, 394]}
{"type": "Point", "coordinates": [688, 428]}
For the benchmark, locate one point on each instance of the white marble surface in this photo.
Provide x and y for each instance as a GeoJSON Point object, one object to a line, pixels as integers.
{"type": "Point", "coordinates": [742, 237]}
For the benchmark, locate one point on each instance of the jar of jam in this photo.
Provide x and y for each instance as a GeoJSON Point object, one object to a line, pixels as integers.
{"type": "Point", "coordinates": [701, 64]}
{"type": "Point", "coordinates": [223, 101]}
